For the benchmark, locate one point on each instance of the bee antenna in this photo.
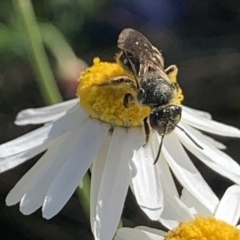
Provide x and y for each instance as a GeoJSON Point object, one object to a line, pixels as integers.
{"type": "Point", "coordinates": [189, 137]}
{"type": "Point", "coordinates": [160, 145]}
{"type": "Point", "coordinates": [159, 150]}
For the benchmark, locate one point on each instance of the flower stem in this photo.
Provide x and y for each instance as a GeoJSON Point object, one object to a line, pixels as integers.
{"type": "Point", "coordinates": [84, 195]}
{"type": "Point", "coordinates": [37, 52]}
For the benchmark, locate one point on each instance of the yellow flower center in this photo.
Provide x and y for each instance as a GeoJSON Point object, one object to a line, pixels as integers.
{"type": "Point", "coordinates": [102, 89]}
{"type": "Point", "coordinates": [204, 229]}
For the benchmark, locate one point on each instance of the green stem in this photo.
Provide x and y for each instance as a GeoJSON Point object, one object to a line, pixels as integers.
{"type": "Point", "coordinates": [37, 52]}
{"type": "Point", "coordinates": [84, 195]}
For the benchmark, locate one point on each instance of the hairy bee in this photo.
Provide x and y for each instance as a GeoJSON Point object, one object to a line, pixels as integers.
{"type": "Point", "coordinates": [154, 88]}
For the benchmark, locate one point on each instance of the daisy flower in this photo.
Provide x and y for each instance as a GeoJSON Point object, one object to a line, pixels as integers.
{"type": "Point", "coordinates": [219, 224]}
{"type": "Point", "coordinates": [97, 131]}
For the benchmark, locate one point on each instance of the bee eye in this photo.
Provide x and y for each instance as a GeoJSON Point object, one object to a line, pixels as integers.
{"type": "Point", "coordinates": [157, 120]}
{"type": "Point", "coordinates": [172, 111]}
{"type": "Point", "coordinates": [175, 111]}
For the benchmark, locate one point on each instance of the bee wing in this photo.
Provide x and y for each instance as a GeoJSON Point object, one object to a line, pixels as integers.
{"type": "Point", "coordinates": [133, 42]}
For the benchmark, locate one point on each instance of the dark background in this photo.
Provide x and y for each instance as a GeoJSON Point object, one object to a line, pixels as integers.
{"type": "Point", "coordinates": [201, 37]}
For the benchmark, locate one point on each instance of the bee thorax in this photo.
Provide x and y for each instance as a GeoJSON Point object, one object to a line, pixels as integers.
{"type": "Point", "coordinates": [155, 92]}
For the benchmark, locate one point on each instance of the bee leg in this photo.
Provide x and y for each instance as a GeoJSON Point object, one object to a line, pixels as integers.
{"type": "Point", "coordinates": [127, 99]}
{"type": "Point", "coordinates": [117, 81]}
{"type": "Point", "coordinates": [172, 72]}
{"type": "Point", "coordinates": [120, 81]}
{"type": "Point", "coordinates": [147, 130]}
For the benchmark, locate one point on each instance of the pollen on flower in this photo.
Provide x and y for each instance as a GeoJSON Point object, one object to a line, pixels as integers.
{"type": "Point", "coordinates": [204, 229]}
{"type": "Point", "coordinates": [102, 97]}
{"type": "Point", "coordinates": [173, 77]}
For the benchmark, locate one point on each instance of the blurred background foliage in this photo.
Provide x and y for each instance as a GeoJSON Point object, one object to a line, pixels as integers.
{"type": "Point", "coordinates": [201, 37]}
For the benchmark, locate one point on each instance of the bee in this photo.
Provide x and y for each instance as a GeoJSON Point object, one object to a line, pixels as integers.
{"type": "Point", "coordinates": [153, 86]}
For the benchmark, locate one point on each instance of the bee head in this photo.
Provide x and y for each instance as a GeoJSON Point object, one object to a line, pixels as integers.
{"type": "Point", "coordinates": [165, 119]}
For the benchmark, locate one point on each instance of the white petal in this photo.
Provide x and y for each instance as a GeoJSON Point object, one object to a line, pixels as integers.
{"type": "Point", "coordinates": [44, 114]}
{"type": "Point", "coordinates": [210, 126]}
{"type": "Point", "coordinates": [136, 234]}
{"type": "Point", "coordinates": [166, 176]}
{"type": "Point", "coordinates": [207, 139]}
{"type": "Point", "coordinates": [113, 188]}
{"type": "Point", "coordinates": [34, 196]}
{"type": "Point", "coordinates": [136, 139]}
{"type": "Point", "coordinates": [30, 178]}
{"type": "Point", "coordinates": [46, 171]}
{"type": "Point", "coordinates": [229, 207]}
{"type": "Point", "coordinates": [199, 113]}
{"type": "Point", "coordinates": [71, 173]}
{"type": "Point", "coordinates": [174, 210]}
{"type": "Point", "coordinates": [15, 160]}
{"type": "Point", "coordinates": [97, 172]}
{"type": "Point", "coordinates": [146, 182]}
{"type": "Point", "coordinates": [194, 204]}
{"type": "Point", "coordinates": [151, 230]}
{"type": "Point", "coordinates": [42, 135]}
{"type": "Point", "coordinates": [211, 156]}
{"type": "Point", "coordinates": [186, 173]}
